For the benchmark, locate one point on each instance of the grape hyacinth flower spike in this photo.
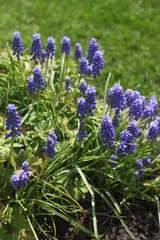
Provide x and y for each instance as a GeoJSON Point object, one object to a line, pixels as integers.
{"type": "Point", "coordinates": [126, 144]}
{"type": "Point", "coordinates": [49, 149]}
{"type": "Point", "coordinates": [91, 99]}
{"type": "Point", "coordinates": [81, 108]}
{"type": "Point", "coordinates": [154, 129]}
{"type": "Point", "coordinates": [97, 64]}
{"type": "Point", "coordinates": [92, 48]}
{"type": "Point", "coordinates": [83, 87]}
{"type": "Point", "coordinates": [13, 121]}
{"type": "Point", "coordinates": [82, 132]}
{"type": "Point", "coordinates": [38, 78]}
{"type": "Point", "coordinates": [78, 52]}
{"type": "Point", "coordinates": [22, 178]}
{"type": "Point", "coordinates": [50, 50]}
{"type": "Point", "coordinates": [43, 57]}
{"type": "Point", "coordinates": [36, 48]}
{"type": "Point", "coordinates": [31, 87]}
{"type": "Point", "coordinates": [68, 84]}
{"type": "Point", "coordinates": [107, 131]}
{"type": "Point", "coordinates": [66, 45]}
{"type": "Point", "coordinates": [17, 45]}
{"type": "Point", "coordinates": [83, 66]}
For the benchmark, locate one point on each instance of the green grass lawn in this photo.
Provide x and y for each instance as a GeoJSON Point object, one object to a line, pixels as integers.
{"type": "Point", "coordinates": [127, 31]}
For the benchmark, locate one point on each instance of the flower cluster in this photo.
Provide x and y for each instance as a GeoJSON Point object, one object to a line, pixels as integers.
{"type": "Point", "coordinates": [126, 144]}
{"type": "Point", "coordinates": [31, 86]}
{"type": "Point", "coordinates": [49, 149]}
{"type": "Point", "coordinates": [38, 78]}
{"type": "Point", "coordinates": [83, 87]}
{"type": "Point", "coordinates": [68, 84]}
{"type": "Point", "coordinates": [116, 97]}
{"type": "Point", "coordinates": [139, 165]}
{"type": "Point", "coordinates": [91, 99]}
{"type": "Point", "coordinates": [93, 47]}
{"type": "Point", "coordinates": [130, 96]}
{"type": "Point", "coordinates": [98, 63]}
{"type": "Point", "coordinates": [50, 50]}
{"type": "Point", "coordinates": [133, 129]}
{"type": "Point", "coordinates": [22, 178]}
{"type": "Point", "coordinates": [137, 107]}
{"type": "Point", "coordinates": [82, 132]}
{"type": "Point", "coordinates": [13, 121]}
{"type": "Point", "coordinates": [36, 48]}
{"type": "Point", "coordinates": [90, 70]}
{"type": "Point", "coordinates": [151, 108]}
{"type": "Point", "coordinates": [81, 108]}
{"type": "Point", "coordinates": [107, 131]}
{"type": "Point", "coordinates": [78, 51]}
{"type": "Point", "coordinates": [154, 129]}
{"type": "Point", "coordinates": [66, 45]}
{"type": "Point", "coordinates": [17, 45]}
{"type": "Point", "coordinates": [83, 66]}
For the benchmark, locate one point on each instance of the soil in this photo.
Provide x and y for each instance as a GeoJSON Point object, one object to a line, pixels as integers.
{"type": "Point", "coordinates": [141, 218]}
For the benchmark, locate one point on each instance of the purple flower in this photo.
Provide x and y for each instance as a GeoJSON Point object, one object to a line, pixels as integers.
{"type": "Point", "coordinates": [130, 96]}
{"type": "Point", "coordinates": [90, 70]}
{"type": "Point", "coordinates": [113, 161]}
{"type": "Point", "coordinates": [133, 129]}
{"type": "Point", "coordinates": [51, 142]}
{"type": "Point", "coordinates": [43, 57]}
{"type": "Point", "coordinates": [139, 163]}
{"type": "Point", "coordinates": [107, 131]}
{"type": "Point", "coordinates": [83, 66]}
{"type": "Point", "coordinates": [23, 178]}
{"type": "Point", "coordinates": [50, 50]}
{"type": "Point", "coordinates": [15, 181]}
{"type": "Point", "coordinates": [31, 88]}
{"type": "Point", "coordinates": [82, 132]}
{"type": "Point", "coordinates": [138, 174]}
{"type": "Point", "coordinates": [151, 108]}
{"type": "Point", "coordinates": [78, 51]}
{"type": "Point", "coordinates": [38, 78]}
{"type": "Point", "coordinates": [17, 45]}
{"type": "Point", "coordinates": [81, 107]}
{"type": "Point", "coordinates": [68, 84]}
{"type": "Point", "coordinates": [13, 121]}
{"type": "Point", "coordinates": [147, 161]}
{"type": "Point", "coordinates": [137, 107]}
{"type": "Point", "coordinates": [98, 63]}
{"type": "Point", "coordinates": [126, 144]}
{"type": "Point", "coordinates": [36, 48]}
{"type": "Point", "coordinates": [93, 47]}
{"type": "Point", "coordinates": [83, 87]}
{"type": "Point", "coordinates": [116, 97]}
{"type": "Point", "coordinates": [25, 167]}
{"type": "Point", "coordinates": [154, 129]}
{"type": "Point", "coordinates": [91, 99]}
{"type": "Point", "coordinates": [66, 45]}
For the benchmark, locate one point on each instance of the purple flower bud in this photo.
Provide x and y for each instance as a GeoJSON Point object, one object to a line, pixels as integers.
{"type": "Point", "coordinates": [66, 45]}
{"type": "Point", "coordinates": [81, 107]}
{"type": "Point", "coordinates": [31, 87]}
{"type": "Point", "coordinates": [133, 129]}
{"type": "Point", "coordinates": [68, 84]}
{"type": "Point", "coordinates": [13, 121]}
{"type": "Point", "coordinates": [126, 144]}
{"type": "Point", "coordinates": [90, 70]}
{"type": "Point", "coordinates": [17, 45]}
{"type": "Point", "coordinates": [78, 51]}
{"type": "Point", "coordinates": [93, 47]}
{"type": "Point", "coordinates": [38, 78]}
{"type": "Point", "coordinates": [151, 108]}
{"type": "Point", "coordinates": [36, 48]}
{"type": "Point", "coordinates": [139, 163]}
{"type": "Point", "coordinates": [137, 107]}
{"type": "Point", "coordinates": [43, 57]}
{"type": "Point", "coordinates": [82, 132]}
{"type": "Point", "coordinates": [83, 87]}
{"type": "Point", "coordinates": [116, 97]}
{"type": "Point", "coordinates": [91, 99]}
{"type": "Point", "coordinates": [130, 96]}
{"type": "Point", "coordinates": [98, 63]}
{"type": "Point", "coordinates": [154, 129]}
{"type": "Point", "coordinates": [50, 50]}
{"type": "Point", "coordinates": [83, 66]}
{"type": "Point", "coordinates": [113, 161]}
{"type": "Point", "coordinates": [107, 131]}
{"type": "Point", "coordinates": [23, 178]}
{"type": "Point", "coordinates": [49, 149]}
{"type": "Point", "coordinates": [15, 181]}
{"type": "Point", "coordinates": [25, 167]}
{"type": "Point", "coordinates": [147, 161]}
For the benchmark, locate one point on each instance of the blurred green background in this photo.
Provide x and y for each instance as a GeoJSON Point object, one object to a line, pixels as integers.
{"type": "Point", "coordinates": [128, 33]}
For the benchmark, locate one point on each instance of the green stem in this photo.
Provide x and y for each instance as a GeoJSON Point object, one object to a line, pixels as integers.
{"type": "Point", "coordinates": [38, 102]}
{"type": "Point", "coordinates": [46, 69]}
{"type": "Point", "coordinates": [61, 73]}
{"type": "Point", "coordinates": [11, 151]}
{"type": "Point", "coordinates": [6, 106]}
